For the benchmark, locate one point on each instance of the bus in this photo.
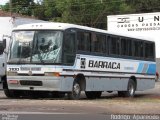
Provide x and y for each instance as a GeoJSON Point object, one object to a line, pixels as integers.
{"type": "Point", "coordinates": [67, 59]}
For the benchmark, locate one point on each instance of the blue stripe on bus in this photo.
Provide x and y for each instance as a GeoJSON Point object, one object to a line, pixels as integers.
{"type": "Point", "coordinates": [140, 67]}
{"type": "Point", "coordinates": [151, 69]}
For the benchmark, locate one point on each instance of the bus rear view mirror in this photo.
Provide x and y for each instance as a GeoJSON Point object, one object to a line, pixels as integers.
{"type": "Point", "coordinates": [1, 48]}
{"type": "Point", "coordinates": [4, 43]}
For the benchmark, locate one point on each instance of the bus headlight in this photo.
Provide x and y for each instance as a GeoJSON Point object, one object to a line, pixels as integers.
{"type": "Point", "coordinates": [12, 73]}
{"type": "Point", "coordinates": [56, 74]}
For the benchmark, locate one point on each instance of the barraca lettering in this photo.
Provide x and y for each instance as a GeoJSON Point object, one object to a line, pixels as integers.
{"type": "Point", "coordinates": [104, 64]}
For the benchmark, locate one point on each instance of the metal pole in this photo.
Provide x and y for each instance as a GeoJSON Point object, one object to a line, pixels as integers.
{"type": "Point", "coordinates": [10, 4]}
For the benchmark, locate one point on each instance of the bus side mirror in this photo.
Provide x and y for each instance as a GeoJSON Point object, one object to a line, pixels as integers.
{"type": "Point", "coordinates": [4, 43]}
{"type": "Point", "coordinates": [1, 48]}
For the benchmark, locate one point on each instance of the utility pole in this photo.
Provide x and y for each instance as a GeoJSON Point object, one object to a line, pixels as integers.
{"type": "Point", "coordinates": [10, 5]}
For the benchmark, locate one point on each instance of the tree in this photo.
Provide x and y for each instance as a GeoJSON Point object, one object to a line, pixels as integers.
{"type": "Point", "coordinates": [143, 6]}
{"type": "Point", "coordinates": [39, 10]}
{"type": "Point", "coordinates": [46, 10]}
{"type": "Point", "coordinates": [84, 12]}
{"type": "Point", "coordinates": [5, 7]}
{"type": "Point", "coordinates": [24, 7]}
{"type": "Point", "coordinates": [90, 13]}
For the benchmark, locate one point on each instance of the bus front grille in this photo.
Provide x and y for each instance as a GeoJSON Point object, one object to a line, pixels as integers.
{"type": "Point", "coordinates": [32, 83]}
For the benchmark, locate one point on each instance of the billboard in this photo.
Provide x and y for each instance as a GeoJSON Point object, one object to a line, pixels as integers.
{"type": "Point", "coordinates": [144, 24]}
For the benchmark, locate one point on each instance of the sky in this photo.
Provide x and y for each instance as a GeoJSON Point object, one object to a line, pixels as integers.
{"type": "Point", "coordinates": [2, 2]}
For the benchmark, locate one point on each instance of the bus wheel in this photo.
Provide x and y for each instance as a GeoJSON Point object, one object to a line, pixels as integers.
{"type": "Point", "coordinates": [76, 91]}
{"type": "Point", "coordinates": [130, 90]}
{"type": "Point", "coordinates": [12, 93]}
{"type": "Point", "coordinates": [93, 94]}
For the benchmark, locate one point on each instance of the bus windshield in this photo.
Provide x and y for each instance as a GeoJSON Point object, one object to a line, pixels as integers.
{"type": "Point", "coordinates": [43, 46]}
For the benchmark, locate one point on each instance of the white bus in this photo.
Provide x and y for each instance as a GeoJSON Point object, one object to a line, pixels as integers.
{"type": "Point", "coordinates": [61, 58]}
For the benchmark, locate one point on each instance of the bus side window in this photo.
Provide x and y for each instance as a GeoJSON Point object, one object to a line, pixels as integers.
{"type": "Point", "coordinates": [138, 49]}
{"type": "Point", "coordinates": [103, 43]}
{"type": "Point", "coordinates": [69, 48]}
{"type": "Point", "coordinates": [149, 50]}
{"type": "Point", "coordinates": [83, 41]}
{"type": "Point", "coordinates": [108, 45]}
{"type": "Point", "coordinates": [87, 37]}
{"type": "Point", "coordinates": [141, 49]}
{"type": "Point", "coordinates": [98, 43]}
{"type": "Point", "coordinates": [114, 45]}
{"type": "Point", "coordinates": [130, 47]}
{"type": "Point", "coordinates": [80, 41]}
{"type": "Point", "coordinates": [126, 47]}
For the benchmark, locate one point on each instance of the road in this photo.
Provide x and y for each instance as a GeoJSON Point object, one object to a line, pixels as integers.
{"type": "Point", "coordinates": [146, 102]}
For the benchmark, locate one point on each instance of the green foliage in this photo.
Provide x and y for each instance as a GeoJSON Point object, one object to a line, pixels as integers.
{"type": "Point", "coordinates": [143, 6]}
{"type": "Point", "coordinates": [5, 7]}
{"type": "Point", "coordinates": [50, 9]}
{"type": "Point", "coordinates": [124, 8]}
{"type": "Point", "coordinates": [39, 11]}
{"type": "Point", "coordinates": [24, 7]}
{"type": "Point", "coordinates": [84, 12]}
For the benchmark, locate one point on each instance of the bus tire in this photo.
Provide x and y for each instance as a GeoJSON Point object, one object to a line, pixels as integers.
{"type": "Point", "coordinates": [8, 93]}
{"type": "Point", "coordinates": [12, 93]}
{"type": "Point", "coordinates": [76, 91]}
{"type": "Point", "coordinates": [4, 82]}
{"type": "Point", "coordinates": [93, 94]}
{"type": "Point", "coordinates": [131, 88]}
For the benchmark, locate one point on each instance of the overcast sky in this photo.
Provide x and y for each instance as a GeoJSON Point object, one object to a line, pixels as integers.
{"type": "Point", "coordinates": [2, 2]}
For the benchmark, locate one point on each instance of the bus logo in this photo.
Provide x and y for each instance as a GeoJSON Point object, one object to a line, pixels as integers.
{"type": "Point", "coordinates": [83, 63]}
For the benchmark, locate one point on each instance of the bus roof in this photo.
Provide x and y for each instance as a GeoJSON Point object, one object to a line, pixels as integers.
{"type": "Point", "coordinates": [64, 26]}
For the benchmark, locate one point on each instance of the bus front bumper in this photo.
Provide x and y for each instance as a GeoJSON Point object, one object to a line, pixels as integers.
{"type": "Point", "coordinates": [35, 83]}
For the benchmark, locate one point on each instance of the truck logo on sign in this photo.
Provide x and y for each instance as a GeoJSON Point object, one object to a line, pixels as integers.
{"type": "Point", "coordinates": [123, 20]}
